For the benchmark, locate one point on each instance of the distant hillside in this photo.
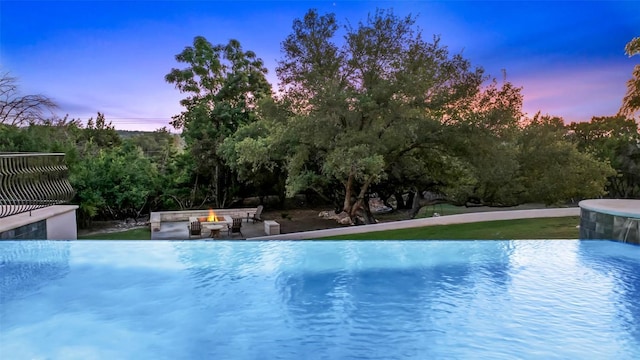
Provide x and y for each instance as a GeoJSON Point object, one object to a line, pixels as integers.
{"type": "Point", "coordinates": [126, 134]}
{"type": "Point", "coordinates": [130, 134]}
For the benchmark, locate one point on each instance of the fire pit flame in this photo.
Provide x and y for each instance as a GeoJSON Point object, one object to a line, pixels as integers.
{"type": "Point", "coordinates": [212, 216]}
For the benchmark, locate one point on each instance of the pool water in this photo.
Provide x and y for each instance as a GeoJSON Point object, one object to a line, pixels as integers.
{"type": "Point", "coordinates": [539, 299]}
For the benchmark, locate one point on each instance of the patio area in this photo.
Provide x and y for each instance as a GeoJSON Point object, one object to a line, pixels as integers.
{"type": "Point", "coordinates": [174, 225]}
{"type": "Point", "coordinates": [178, 230]}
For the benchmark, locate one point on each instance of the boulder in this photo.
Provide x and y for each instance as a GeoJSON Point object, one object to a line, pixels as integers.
{"type": "Point", "coordinates": [342, 218]}
{"type": "Point", "coordinates": [327, 215]}
{"type": "Point", "coordinates": [377, 206]}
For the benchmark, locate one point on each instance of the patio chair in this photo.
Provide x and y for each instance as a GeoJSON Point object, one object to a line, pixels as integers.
{"type": "Point", "coordinates": [195, 229]}
{"type": "Point", "coordinates": [236, 227]}
{"type": "Point", "coordinates": [258, 215]}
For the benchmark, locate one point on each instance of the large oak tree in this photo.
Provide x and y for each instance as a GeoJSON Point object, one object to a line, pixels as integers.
{"type": "Point", "coordinates": [362, 108]}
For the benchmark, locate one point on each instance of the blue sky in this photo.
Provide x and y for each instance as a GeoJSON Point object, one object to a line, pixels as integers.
{"type": "Point", "coordinates": [112, 56]}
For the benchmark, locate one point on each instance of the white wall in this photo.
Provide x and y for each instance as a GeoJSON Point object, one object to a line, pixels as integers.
{"type": "Point", "coordinates": [62, 226]}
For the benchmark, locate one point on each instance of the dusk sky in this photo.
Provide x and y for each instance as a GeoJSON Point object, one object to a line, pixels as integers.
{"type": "Point", "coordinates": [112, 56]}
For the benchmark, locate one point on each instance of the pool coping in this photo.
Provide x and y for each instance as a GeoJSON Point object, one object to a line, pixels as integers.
{"type": "Point", "coordinates": [615, 207]}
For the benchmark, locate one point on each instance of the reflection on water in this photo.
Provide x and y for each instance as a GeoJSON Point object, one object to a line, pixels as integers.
{"type": "Point", "coordinates": [348, 294]}
{"type": "Point", "coordinates": [26, 266]}
{"type": "Point", "coordinates": [323, 299]}
{"type": "Point", "coordinates": [617, 266]}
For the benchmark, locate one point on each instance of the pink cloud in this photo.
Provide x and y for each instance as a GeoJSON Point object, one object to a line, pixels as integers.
{"type": "Point", "coordinates": [575, 94]}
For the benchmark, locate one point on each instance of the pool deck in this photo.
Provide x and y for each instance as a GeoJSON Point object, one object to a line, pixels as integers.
{"type": "Point", "coordinates": [255, 231]}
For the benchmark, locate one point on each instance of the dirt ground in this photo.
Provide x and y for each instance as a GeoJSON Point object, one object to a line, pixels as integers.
{"type": "Point", "coordinates": [296, 220]}
{"type": "Point", "coordinates": [102, 227]}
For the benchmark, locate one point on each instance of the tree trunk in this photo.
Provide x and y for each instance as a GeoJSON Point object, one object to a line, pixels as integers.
{"type": "Point", "coordinates": [400, 200]}
{"type": "Point", "coordinates": [194, 191]}
{"type": "Point", "coordinates": [347, 196]}
{"type": "Point", "coordinates": [216, 183]}
{"type": "Point", "coordinates": [282, 194]}
{"type": "Point", "coordinates": [410, 198]}
{"type": "Point", "coordinates": [361, 213]}
{"type": "Point", "coordinates": [360, 209]}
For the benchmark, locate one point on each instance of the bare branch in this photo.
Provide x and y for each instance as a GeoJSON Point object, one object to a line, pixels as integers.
{"type": "Point", "coordinates": [17, 109]}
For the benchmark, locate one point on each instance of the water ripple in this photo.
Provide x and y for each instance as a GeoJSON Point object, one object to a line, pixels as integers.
{"type": "Point", "coordinates": [322, 300]}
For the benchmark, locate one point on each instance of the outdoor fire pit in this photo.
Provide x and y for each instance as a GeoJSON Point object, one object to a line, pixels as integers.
{"type": "Point", "coordinates": [213, 219]}
{"type": "Point", "coordinates": [213, 223]}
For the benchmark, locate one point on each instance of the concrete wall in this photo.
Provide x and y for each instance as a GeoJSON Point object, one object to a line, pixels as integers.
{"type": "Point", "coordinates": [56, 222]}
{"type": "Point", "coordinates": [62, 226]}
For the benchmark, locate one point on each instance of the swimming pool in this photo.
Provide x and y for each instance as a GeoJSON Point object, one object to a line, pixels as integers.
{"type": "Point", "coordinates": [319, 300]}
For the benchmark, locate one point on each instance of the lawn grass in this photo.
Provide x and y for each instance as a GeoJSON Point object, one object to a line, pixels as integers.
{"type": "Point", "coordinates": [133, 234]}
{"type": "Point", "coordinates": [448, 209]}
{"type": "Point", "coordinates": [540, 228]}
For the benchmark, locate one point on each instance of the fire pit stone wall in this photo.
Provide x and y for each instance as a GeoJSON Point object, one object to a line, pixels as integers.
{"type": "Point", "coordinates": [158, 217]}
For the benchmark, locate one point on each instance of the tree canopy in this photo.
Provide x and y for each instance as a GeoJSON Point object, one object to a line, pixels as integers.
{"type": "Point", "coordinates": [631, 100]}
{"type": "Point", "coordinates": [224, 85]}
{"type": "Point", "coordinates": [378, 107]}
{"type": "Point", "coordinates": [616, 141]}
{"type": "Point", "coordinates": [384, 111]}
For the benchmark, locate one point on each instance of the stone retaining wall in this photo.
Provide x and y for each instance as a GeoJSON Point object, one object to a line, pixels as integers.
{"type": "Point", "coordinates": [610, 219]}
{"type": "Point", "coordinates": [597, 225]}
{"type": "Point", "coordinates": [172, 216]}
